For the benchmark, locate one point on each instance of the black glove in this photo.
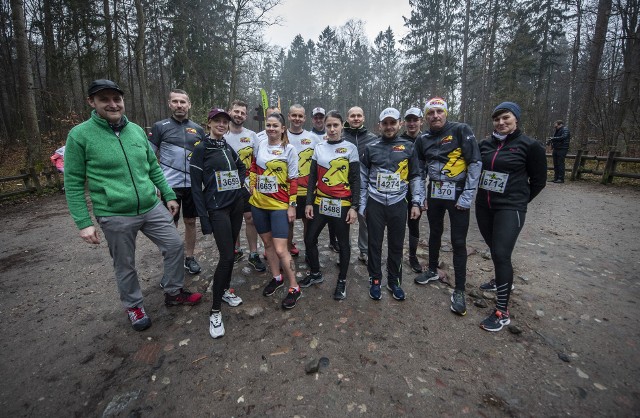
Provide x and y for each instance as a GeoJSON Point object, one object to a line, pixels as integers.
{"type": "Point", "coordinates": [205, 224]}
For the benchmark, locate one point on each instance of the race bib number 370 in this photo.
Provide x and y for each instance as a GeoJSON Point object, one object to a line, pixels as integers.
{"type": "Point", "coordinates": [388, 182]}
{"type": "Point", "coordinates": [493, 181]}
{"type": "Point", "coordinates": [443, 190]}
{"type": "Point", "coordinates": [267, 184]}
{"type": "Point", "coordinates": [227, 180]}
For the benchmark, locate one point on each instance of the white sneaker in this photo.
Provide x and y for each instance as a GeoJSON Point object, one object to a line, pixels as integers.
{"type": "Point", "coordinates": [231, 298]}
{"type": "Point", "coordinates": [216, 327]}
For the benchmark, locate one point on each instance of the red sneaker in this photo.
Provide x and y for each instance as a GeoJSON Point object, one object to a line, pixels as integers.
{"type": "Point", "coordinates": [184, 297]}
{"type": "Point", "coordinates": [294, 251]}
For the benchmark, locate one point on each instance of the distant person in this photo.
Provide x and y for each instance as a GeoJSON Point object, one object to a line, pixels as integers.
{"type": "Point", "coordinates": [274, 185]}
{"type": "Point", "coordinates": [413, 129]}
{"type": "Point", "coordinates": [243, 141]}
{"type": "Point", "coordinates": [57, 159]}
{"type": "Point", "coordinates": [560, 144]}
{"type": "Point", "coordinates": [449, 153]}
{"type": "Point", "coordinates": [115, 160]}
{"type": "Point", "coordinates": [304, 142]}
{"type": "Point", "coordinates": [389, 169]}
{"type": "Point", "coordinates": [514, 171]}
{"type": "Point", "coordinates": [173, 139]}
{"type": "Point", "coordinates": [355, 132]}
{"type": "Point", "coordinates": [217, 180]}
{"type": "Point", "coordinates": [333, 196]}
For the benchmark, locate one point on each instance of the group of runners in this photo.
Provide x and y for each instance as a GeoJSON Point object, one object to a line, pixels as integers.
{"type": "Point", "coordinates": [336, 175]}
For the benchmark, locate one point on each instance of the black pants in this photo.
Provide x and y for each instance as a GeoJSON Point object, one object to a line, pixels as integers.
{"type": "Point", "coordinates": [459, 222]}
{"type": "Point", "coordinates": [394, 218]}
{"type": "Point", "coordinates": [558, 163]}
{"type": "Point", "coordinates": [341, 228]}
{"type": "Point", "coordinates": [226, 224]}
{"type": "Point", "coordinates": [500, 230]}
{"type": "Point", "coordinates": [414, 231]}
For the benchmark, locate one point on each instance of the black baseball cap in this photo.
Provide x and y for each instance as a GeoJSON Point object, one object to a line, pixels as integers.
{"type": "Point", "coordinates": [103, 84]}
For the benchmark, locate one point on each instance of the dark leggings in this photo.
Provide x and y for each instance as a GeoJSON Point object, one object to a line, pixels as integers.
{"type": "Point", "coordinates": [413, 225]}
{"type": "Point", "coordinates": [500, 230]}
{"type": "Point", "coordinates": [559, 156]}
{"type": "Point", "coordinates": [459, 222]}
{"type": "Point", "coordinates": [341, 228]}
{"type": "Point", "coordinates": [394, 218]}
{"type": "Point", "coordinates": [226, 224]}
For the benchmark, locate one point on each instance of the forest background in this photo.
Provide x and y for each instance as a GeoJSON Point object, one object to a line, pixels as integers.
{"type": "Point", "coordinates": [577, 60]}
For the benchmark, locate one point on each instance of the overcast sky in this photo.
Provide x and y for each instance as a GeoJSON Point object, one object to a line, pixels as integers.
{"type": "Point", "coordinates": [309, 18]}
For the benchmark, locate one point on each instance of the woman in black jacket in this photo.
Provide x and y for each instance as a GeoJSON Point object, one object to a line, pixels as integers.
{"type": "Point", "coordinates": [217, 175]}
{"type": "Point", "coordinates": [514, 171]}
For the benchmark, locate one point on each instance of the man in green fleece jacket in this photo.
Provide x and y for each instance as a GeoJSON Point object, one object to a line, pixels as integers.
{"type": "Point", "coordinates": [113, 157]}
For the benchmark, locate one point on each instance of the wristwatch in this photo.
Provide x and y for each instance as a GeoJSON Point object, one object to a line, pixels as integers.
{"type": "Point", "coordinates": [293, 204]}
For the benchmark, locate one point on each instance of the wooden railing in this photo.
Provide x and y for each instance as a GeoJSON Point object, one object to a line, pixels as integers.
{"type": "Point", "coordinates": [30, 181]}
{"type": "Point", "coordinates": [608, 171]}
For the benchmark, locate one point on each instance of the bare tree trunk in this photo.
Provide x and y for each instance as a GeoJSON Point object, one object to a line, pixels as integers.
{"type": "Point", "coordinates": [593, 66]}
{"type": "Point", "coordinates": [574, 63]}
{"type": "Point", "coordinates": [140, 68]}
{"type": "Point", "coordinates": [25, 84]}
{"type": "Point", "coordinates": [111, 53]}
{"type": "Point", "coordinates": [465, 53]}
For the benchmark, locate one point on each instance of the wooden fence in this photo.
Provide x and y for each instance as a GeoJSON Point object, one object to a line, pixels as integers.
{"type": "Point", "coordinates": [30, 181]}
{"type": "Point", "coordinates": [607, 172]}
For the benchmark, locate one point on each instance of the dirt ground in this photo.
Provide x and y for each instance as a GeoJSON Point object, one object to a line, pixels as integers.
{"type": "Point", "coordinates": [68, 349]}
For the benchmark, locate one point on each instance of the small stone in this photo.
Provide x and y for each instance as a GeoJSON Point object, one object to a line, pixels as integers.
{"type": "Point", "coordinates": [489, 296]}
{"type": "Point", "coordinates": [264, 368]}
{"type": "Point", "coordinates": [475, 293]}
{"type": "Point", "coordinates": [514, 329]}
{"type": "Point", "coordinates": [539, 313]}
{"type": "Point", "coordinates": [313, 343]}
{"type": "Point", "coordinates": [599, 386]}
{"type": "Point", "coordinates": [323, 363]}
{"type": "Point", "coordinates": [523, 278]}
{"type": "Point", "coordinates": [582, 374]}
{"type": "Point", "coordinates": [480, 303]}
{"type": "Point", "coordinates": [564, 357]}
{"type": "Point", "coordinates": [486, 255]}
{"type": "Point", "coordinates": [312, 366]}
{"type": "Point", "coordinates": [240, 399]}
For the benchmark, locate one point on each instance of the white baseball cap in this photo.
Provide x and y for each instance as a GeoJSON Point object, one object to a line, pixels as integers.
{"type": "Point", "coordinates": [390, 113]}
{"type": "Point", "coordinates": [317, 110]}
{"type": "Point", "coordinates": [413, 111]}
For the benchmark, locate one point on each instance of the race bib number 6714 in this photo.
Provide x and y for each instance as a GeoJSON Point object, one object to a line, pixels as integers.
{"type": "Point", "coordinates": [493, 181]}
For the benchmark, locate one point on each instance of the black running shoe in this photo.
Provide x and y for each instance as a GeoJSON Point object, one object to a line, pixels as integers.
{"type": "Point", "coordinates": [427, 276]}
{"type": "Point", "coordinates": [458, 304]}
{"type": "Point", "coordinates": [237, 256]}
{"type": "Point", "coordinates": [192, 265]}
{"type": "Point", "coordinates": [271, 288]}
{"type": "Point", "coordinates": [335, 247]}
{"type": "Point", "coordinates": [257, 263]}
{"type": "Point", "coordinates": [341, 290]}
{"type": "Point", "coordinates": [310, 279]}
{"type": "Point", "coordinates": [490, 286]}
{"type": "Point", "coordinates": [496, 321]}
{"type": "Point", "coordinates": [415, 264]}
{"type": "Point", "coordinates": [292, 298]}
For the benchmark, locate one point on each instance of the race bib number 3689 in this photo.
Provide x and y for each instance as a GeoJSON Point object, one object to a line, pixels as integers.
{"type": "Point", "coordinates": [493, 181]}
{"type": "Point", "coordinates": [227, 180]}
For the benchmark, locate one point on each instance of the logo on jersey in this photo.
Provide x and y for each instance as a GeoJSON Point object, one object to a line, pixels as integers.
{"type": "Point", "coordinates": [305, 141]}
{"type": "Point", "coordinates": [397, 148]}
{"type": "Point", "coordinates": [245, 140]}
{"type": "Point", "coordinates": [337, 172]}
{"type": "Point", "coordinates": [403, 169]}
{"type": "Point", "coordinates": [455, 164]}
{"type": "Point", "coordinates": [446, 139]}
{"type": "Point", "coordinates": [191, 131]}
{"type": "Point", "coordinates": [276, 152]}
{"type": "Point", "coordinates": [341, 150]}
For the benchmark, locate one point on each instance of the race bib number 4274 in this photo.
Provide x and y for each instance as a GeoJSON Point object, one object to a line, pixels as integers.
{"type": "Point", "coordinates": [388, 182]}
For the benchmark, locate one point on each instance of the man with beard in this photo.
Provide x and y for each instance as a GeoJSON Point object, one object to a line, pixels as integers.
{"type": "Point", "coordinates": [244, 141]}
{"type": "Point", "coordinates": [173, 140]}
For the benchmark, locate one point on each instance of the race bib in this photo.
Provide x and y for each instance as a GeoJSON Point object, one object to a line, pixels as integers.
{"type": "Point", "coordinates": [493, 181]}
{"type": "Point", "coordinates": [227, 180]}
{"type": "Point", "coordinates": [388, 182]}
{"type": "Point", "coordinates": [443, 190]}
{"type": "Point", "coordinates": [330, 207]}
{"type": "Point", "coordinates": [267, 184]}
